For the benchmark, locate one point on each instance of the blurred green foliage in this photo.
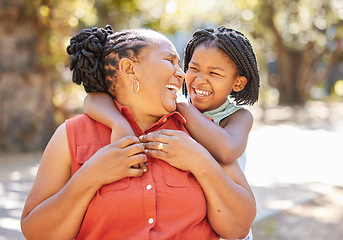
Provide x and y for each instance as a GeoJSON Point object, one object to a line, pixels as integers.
{"type": "Point", "coordinates": [295, 24]}
{"type": "Point", "coordinates": [298, 43]}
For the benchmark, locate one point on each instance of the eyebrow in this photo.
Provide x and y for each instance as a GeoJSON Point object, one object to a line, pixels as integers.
{"type": "Point", "coordinates": [173, 55]}
{"type": "Point", "coordinates": [212, 68]}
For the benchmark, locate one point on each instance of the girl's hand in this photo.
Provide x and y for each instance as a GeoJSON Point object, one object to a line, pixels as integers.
{"type": "Point", "coordinates": [175, 147]}
{"type": "Point", "coordinates": [116, 160]}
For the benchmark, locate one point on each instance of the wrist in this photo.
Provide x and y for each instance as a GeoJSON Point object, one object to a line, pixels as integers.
{"type": "Point", "coordinates": [87, 178]}
{"type": "Point", "coordinates": [122, 128]}
{"type": "Point", "coordinates": [182, 107]}
{"type": "Point", "coordinates": [204, 164]}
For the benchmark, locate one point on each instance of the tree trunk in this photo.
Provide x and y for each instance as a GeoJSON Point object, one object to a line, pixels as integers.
{"type": "Point", "coordinates": [295, 68]}
{"type": "Point", "coordinates": [296, 74]}
{"type": "Point", "coordinates": [288, 63]}
{"type": "Point", "coordinates": [26, 85]}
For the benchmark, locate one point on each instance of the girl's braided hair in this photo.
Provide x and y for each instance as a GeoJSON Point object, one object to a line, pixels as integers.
{"type": "Point", "coordinates": [96, 54]}
{"type": "Point", "coordinates": [235, 45]}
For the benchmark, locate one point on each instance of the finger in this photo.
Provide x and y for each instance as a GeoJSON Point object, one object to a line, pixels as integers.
{"type": "Point", "coordinates": [154, 137]}
{"type": "Point", "coordinates": [155, 146]}
{"type": "Point", "coordinates": [143, 167]}
{"type": "Point", "coordinates": [156, 154]}
{"type": "Point", "coordinates": [126, 141]}
{"type": "Point", "coordinates": [135, 172]}
{"type": "Point", "coordinates": [135, 166]}
{"type": "Point", "coordinates": [168, 132]}
{"type": "Point", "coordinates": [134, 149]}
{"type": "Point", "coordinates": [137, 160]}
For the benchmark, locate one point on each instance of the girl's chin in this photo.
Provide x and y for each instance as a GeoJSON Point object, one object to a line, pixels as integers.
{"type": "Point", "coordinates": [200, 107]}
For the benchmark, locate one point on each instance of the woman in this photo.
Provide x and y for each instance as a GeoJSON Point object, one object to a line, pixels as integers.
{"type": "Point", "coordinates": [87, 188]}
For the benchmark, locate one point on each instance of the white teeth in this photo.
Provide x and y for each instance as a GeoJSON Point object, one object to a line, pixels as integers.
{"type": "Point", "coordinates": [172, 88]}
{"type": "Point", "coordinates": [202, 92]}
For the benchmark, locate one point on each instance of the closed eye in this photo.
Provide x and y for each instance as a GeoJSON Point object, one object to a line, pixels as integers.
{"type": "Point", "coordinates": [214, 73]}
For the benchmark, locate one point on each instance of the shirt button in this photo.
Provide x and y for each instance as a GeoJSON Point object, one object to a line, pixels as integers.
{"type": "Point", "coordinates": [164, 120]}
{"type": "Point", "coordinates": [151, 220]}
{"type": "Point", "coordinates": [148, 187]}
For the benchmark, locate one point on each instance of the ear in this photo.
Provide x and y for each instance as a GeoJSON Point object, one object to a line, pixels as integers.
{"type": "Point", "coordinates": [240, 83]}
{"type": "Point", "coordinates": [126, 68]}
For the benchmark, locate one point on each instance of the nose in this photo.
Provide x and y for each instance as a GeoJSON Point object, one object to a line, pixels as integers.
{"type": "Point", "coordinates": [200, 78]}
{"type": "Point", "coordinates": [180, 75]}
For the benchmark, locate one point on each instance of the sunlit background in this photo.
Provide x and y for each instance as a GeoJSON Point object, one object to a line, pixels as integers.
{"type": "Point", "coordinates": [294, 148]}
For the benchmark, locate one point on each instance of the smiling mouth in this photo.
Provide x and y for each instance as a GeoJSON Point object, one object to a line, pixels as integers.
{"type": "Point", "coordinates": [202, 93]}
{"type": "Point", "coordinates": [172, 88]}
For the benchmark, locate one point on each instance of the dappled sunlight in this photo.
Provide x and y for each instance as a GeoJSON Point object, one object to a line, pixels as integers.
{"type": "Point", "coordinates": [17, 172]}
{"type": "Point", "coordinates": [294, 156]}
{"type": "Point", "coordinates": [12, 198]}
{"type": "Point", "coordinates": [287, 153]}
{"type": "Point", "coordinates": [318, 219]}
{"type": "Point", "coordinates": [320, 211]}
{"type": "Point", "coordinates": [9, 223]}
{"type": "Point", "coordinates": [274, 198]}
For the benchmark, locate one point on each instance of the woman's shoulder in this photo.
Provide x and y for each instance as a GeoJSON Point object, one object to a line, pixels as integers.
{"type": "Point", "coordinates": [82, 122]}
{"type": "Point", "coordinates": [78, 118]}
{"type": "Point", "coordinates": [83, 129]}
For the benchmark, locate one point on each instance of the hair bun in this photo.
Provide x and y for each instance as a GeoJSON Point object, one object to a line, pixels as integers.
{"type": "Point", "coordinates": [86, 48]}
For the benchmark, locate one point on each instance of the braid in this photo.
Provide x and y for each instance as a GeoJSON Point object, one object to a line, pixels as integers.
{"type": "Point", "coordinates": [235, 45]}
{"type": "Point", "coordinates": [97, 52]}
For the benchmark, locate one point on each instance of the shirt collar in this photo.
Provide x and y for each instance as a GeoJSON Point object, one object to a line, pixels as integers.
{"type": "Point", "coordinates": [126, 112]}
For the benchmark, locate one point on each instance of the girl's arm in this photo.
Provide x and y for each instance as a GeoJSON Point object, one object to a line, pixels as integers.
{"type": "Point", "coordinates": [56, 205]}
{"type": "Point", "coordinates": [100, 107]}
{"type": "Point", "coordinates": [226, 142]}
{"type": "Point", "coordinates": [231, 206]}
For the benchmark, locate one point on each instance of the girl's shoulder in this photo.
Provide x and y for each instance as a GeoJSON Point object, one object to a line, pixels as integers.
{"type": "Point", "coordinates": [227, 109]}
{"type": "Point", "coordinates": [241, 115]}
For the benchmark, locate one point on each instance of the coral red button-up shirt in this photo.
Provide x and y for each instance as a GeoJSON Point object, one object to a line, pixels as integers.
{"type": "Point", "coordinates": [164, 203]}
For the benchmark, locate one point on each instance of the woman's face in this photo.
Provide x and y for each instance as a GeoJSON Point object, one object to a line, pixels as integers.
{"type": "Point", "coordinates": [210, 78]}
{"type": "Point", "coordinates": [160, 78]}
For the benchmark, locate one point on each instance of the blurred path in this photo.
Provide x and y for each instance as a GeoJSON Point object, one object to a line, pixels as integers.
{"type": "Point", "coordinates": [17, 173]}
{"type": "Point", "coordinates": [294, 158]}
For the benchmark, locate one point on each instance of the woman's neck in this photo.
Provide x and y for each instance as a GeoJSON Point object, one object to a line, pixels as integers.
{"type": "Point", "coordinates": [143, 119]}
{"type": "Point", "coordinates": [138, 110]}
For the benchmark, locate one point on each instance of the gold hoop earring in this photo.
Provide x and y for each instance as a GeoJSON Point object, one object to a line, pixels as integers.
{"type": "Point", "coordinates": [132, 87]}
{"type": "Point", "coordinates": [236, 88]}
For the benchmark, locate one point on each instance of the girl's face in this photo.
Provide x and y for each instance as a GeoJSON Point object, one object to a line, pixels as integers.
{"type": "Point", "coordinates": [160, 78]}
{"type": "Point", "coordinates": [210, 78]}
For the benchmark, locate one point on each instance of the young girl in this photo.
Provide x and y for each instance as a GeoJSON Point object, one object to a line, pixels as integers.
{"type": "Point", "coordinates": [221, 74]}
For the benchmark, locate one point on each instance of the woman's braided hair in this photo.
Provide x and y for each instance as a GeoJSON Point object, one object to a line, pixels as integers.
{"type": "Point", "coordinates": [235, 45]}
{"type": "Point", "coordinates": [96, 54]}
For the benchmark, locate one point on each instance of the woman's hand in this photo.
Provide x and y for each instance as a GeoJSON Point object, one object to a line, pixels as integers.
{"type": "Point", "coordinates": [124, 131]}
{"type": "Point", "coordinates": [116, 160]}
{"type": "Point", "coordinates": [230, 202]}
{"type": "Point", "coordinates": [175, 147]}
